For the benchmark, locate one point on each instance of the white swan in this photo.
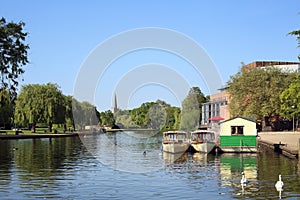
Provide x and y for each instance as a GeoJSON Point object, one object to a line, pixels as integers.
{"type": "Point", "coordinates": [279, 184]}
{"type": "Point", "coordinates": [244, 180]}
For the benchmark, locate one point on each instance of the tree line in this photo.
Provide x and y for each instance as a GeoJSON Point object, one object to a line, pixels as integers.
{"type": "Point", "coordinates": [258, 93]}
{"type": "Point", "coordinates": [159, 115]}
{"type": "Point", "coordinates": [270, 94]}
{"type": "Point", "coordinates": [44, 105]}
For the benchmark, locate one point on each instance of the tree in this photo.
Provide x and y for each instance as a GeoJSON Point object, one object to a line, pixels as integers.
{"type": "Point", "coordinates": [40, 104]}
{"type": "Point", "coordinates": [26, 112]}
{"type": "Point", "coordinates": [77, 113]}
{"type": "Point", "coordinates": [296, 33]}
{"type": "Point", "coordinates": [90, 114]}
{"type": "Point", "coordinates": [55, 101]}
{"type": "Point", "coordinates": [69, 112]}
{"type": "Point", "coordinates": [191, 109]}
{"type": "Point", "coordinates": [84, 114]}
{"type": "Point", "coordinates": [13, 54]}
{"type": "Point", "coordinates": [140, 116]}
{"type": "Point", "coordinates": [154, 115]}
{"type": "Point", "coordinates": [107, 118]}
{"type": "Point", "coordinates": [255, 93]}
{"type": "Point", "coordinates": [290, 100]}
{"type": "Point", "coordinates": [123, 119]}
{"type": "Point", "coordinates": [6, 109]}
{"type": "Point", "coordinates": [173, 118]}
{"type": "Point", "coordinates": [157, 115]}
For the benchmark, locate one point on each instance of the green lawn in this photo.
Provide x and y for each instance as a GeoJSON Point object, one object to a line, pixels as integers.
{"type": "Point", "coordinates": [38, 131]}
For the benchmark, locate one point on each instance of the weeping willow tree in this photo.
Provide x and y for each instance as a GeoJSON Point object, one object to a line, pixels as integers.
{"type": "Point", "coordinates": [40, 104]}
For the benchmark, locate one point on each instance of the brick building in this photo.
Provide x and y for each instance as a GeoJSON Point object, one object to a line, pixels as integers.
{"type": "Point", "coordinates": [288, 66]}
{"type": "Point", "coordinates": [217, 106]}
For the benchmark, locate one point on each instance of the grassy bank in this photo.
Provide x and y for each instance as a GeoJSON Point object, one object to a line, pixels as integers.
{"type": "Point", "coordinates": [28, 132]}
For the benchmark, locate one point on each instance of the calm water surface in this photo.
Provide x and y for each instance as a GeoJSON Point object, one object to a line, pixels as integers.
{"type": "Point", "coordinates": [113, 166]}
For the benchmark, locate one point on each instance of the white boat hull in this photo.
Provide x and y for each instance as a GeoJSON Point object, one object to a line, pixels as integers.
{"type": "Point", "coordinates": [206, 147]}
{"type": "Point", "coordinates": [175, 147]}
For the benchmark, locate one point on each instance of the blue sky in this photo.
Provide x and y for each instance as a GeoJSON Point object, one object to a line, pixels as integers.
{"type": "Point", "coordinates": [62, 34]}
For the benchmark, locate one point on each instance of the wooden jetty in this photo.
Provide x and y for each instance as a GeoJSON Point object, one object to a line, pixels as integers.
{"type": "Point", "coordinates": [287, 143]}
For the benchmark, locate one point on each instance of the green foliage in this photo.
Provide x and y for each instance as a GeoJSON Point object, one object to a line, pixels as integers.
{"type": "Point", "coordinates": [140, 115]}
{"type": "Point", "coordinates": [45, 104]}
{"type": "Point", "coordinates": [122, 118]}
{"type": "Point", "coordinates": [13, 54]}
{"type": "Point", "coordinates": [191, 109]}
{"type": "Point", "coordinates": [40, 103]}
{"type": "Point", "coordinates": [290, 100]}
{"type": "Point", "coordinates": [6, 108]}
{"type": "Point", "coordinates": [152, 115]}
{"type": "Point", "coordinates": [69, 112]}
{"type": "Point", "coordinates": [255, 93]}
{"type": "Point", "coordinates": [107, 118]}
{"type": "Point", "coordinates": [157, 115]}
{"type": "Point", "coordinates": [84, 114]}
{"type": "Point", "coordinates": [173, 118]}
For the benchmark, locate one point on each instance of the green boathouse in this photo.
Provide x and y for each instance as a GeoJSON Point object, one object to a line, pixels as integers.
{"type": "Point", "coordinates": [238, 135]}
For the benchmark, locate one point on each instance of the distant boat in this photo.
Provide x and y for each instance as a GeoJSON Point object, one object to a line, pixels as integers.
{"type": "Point", "coordinates": [175, 142]}
{"type": "Point", "coordinates": [203, 141]}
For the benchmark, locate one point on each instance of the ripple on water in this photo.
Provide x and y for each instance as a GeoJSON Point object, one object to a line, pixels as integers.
{"type": "Point", "coordinates": [64, 169]}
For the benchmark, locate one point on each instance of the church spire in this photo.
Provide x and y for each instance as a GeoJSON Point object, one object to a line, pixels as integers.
{"type": "Point", "coordinates": [115, 107]}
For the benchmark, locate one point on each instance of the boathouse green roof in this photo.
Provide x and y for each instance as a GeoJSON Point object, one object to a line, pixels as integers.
{"type": "Point", "coordinates": [245, 118]}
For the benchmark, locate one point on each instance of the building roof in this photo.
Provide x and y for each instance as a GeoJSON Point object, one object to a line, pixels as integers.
{"type": "Point", "coordinates": [267, 63]}
{"type": "Point", "coordinates": [245, 118]}
{"type": "Point", "coordinates": [216, 118]}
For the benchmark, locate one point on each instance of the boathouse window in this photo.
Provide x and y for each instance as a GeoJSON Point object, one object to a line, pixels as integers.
{"type": "Point", "coordinates": [237, 130]}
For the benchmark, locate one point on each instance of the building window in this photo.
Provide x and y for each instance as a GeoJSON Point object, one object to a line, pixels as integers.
{"type": "Point", "coordinates": [237, 130]}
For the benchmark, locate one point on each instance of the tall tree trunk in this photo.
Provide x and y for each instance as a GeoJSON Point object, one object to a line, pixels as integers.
{"type": "Point", "coordinates": [33, 128]}
{"type": "Point", "coordinates": [65, 127]}
{"type": "Point", "coordinates": [74, 126]}
{"type": "Point", "coordinates": [50, 127]}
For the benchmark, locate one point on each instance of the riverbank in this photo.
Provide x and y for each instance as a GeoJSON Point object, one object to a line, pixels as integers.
{"type": "Point", "coordinates": [4, 135]}
{"type": "Point", "coordinates": [34, 136]}
{"type": "Point", "coordinates": [286, 142]}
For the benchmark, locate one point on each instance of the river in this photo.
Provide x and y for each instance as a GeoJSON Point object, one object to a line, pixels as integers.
{"type": "Point", "coordinates": [114, 166]}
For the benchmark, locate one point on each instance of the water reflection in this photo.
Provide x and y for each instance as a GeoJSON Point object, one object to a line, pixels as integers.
{"type": "Point", "coordinates": [262, 171]}
{"type": "Point", "coordinates": [171, 158]}
{"type": "Point", "coordinates": [44, 168]}
{"type": "Point", "coordinates": [35, 165]}
{"type": "Point", "coordinates": [270, 166]}
{"type": "Point", "coordinates": [231, 168]}
{"type": "Point", "coordinates": [124, 151]}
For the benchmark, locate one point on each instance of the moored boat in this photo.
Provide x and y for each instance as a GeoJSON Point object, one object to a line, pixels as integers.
{"type": "Point", "coordinates": [175, 142]}
{"type": "Point", "coordinates": [203, 141]}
